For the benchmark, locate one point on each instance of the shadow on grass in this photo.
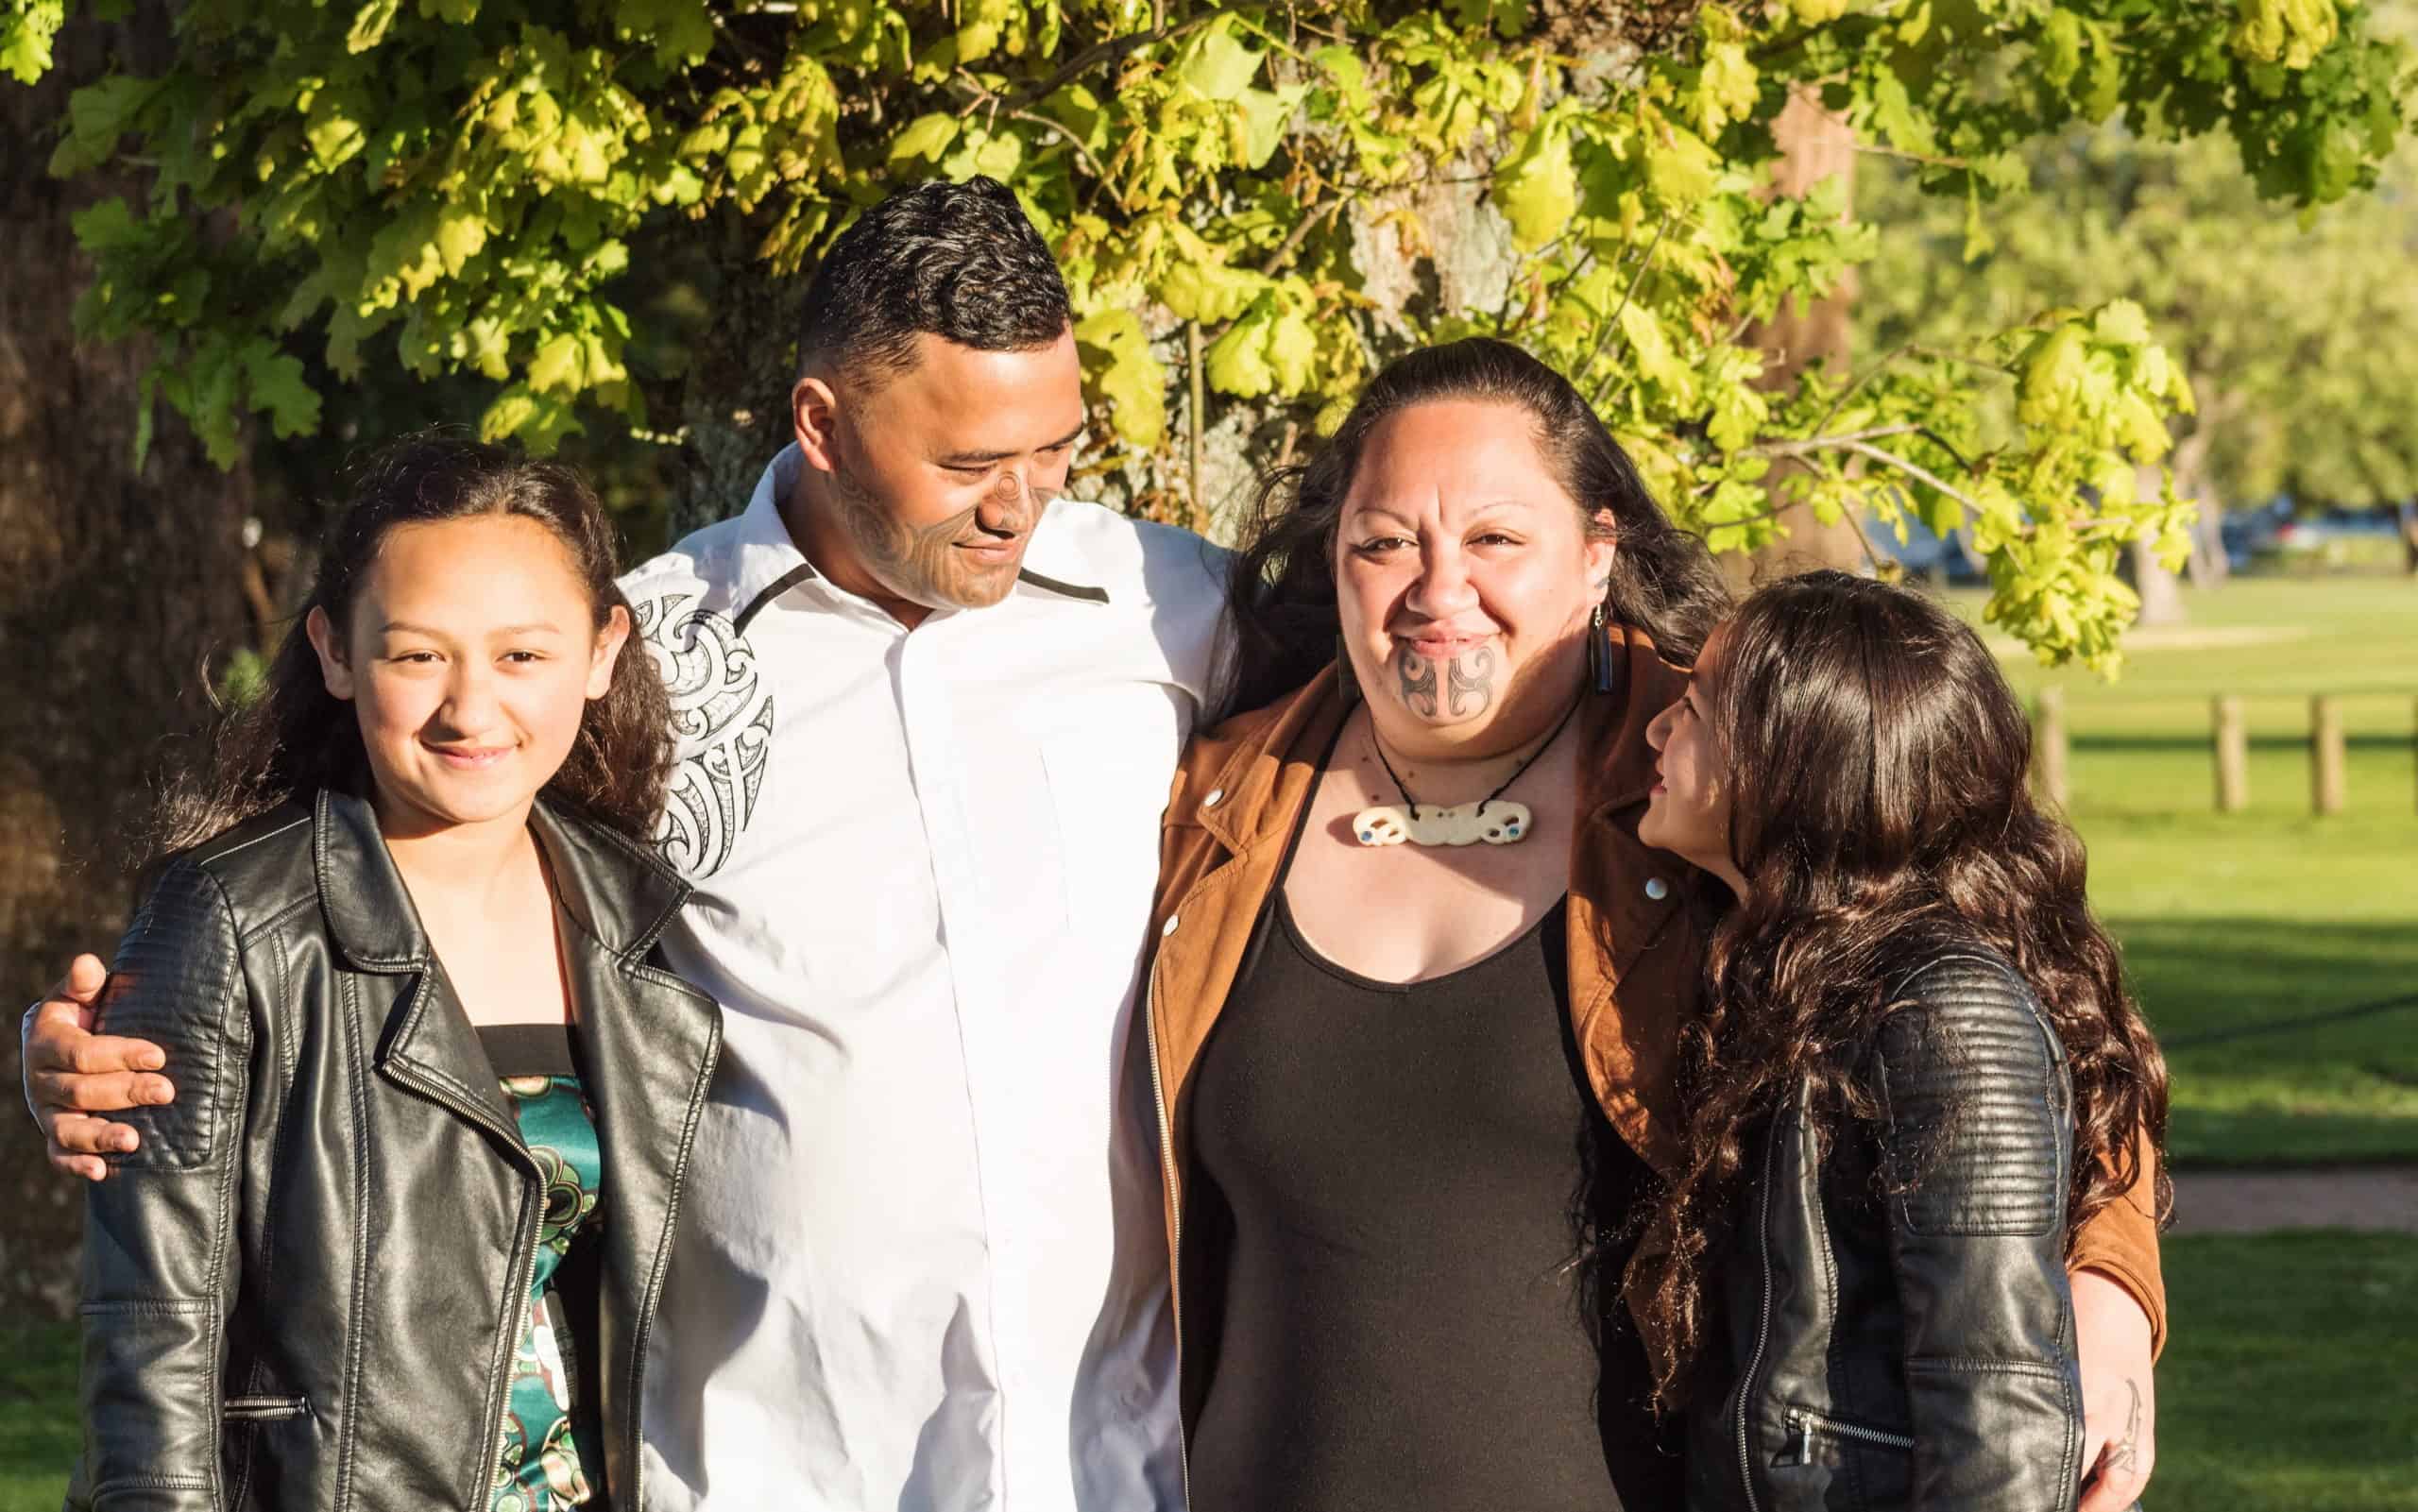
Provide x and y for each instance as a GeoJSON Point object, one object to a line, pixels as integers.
{"type": "Point", "coordinates": [2343, 1089]}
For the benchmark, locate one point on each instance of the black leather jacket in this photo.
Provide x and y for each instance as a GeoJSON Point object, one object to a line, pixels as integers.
{"type": "Point", "coordinates": [1900, 1323]}
{"type": "Point", "coordinates": [305, 1287]}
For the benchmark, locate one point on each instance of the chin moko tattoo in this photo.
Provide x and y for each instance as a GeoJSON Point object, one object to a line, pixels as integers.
{"type": "Point", "coordinates": [1474, 687]}
{"type": "Point", "coordinates": [1418, 678]}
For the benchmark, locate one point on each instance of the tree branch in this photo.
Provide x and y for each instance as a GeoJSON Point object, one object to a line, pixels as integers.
{"type": "Point", "coordinates": [1901, 155]}
{"type": "Point", "coordinates": [1300, 232]}
{"type": "Point", "coordinates": [1914, 470]}
{"type": "Point", "coordinates": [1114, 48]}
{"type": "Point", "coordinates": [1604, 339]}
{"type": "Point", "coordinates": [1832, 443]}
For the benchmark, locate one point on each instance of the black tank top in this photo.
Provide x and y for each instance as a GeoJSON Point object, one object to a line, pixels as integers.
{"type": "Point", "coordinates": [1389, 1180]}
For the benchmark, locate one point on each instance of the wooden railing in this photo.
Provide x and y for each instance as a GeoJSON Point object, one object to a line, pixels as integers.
{"type": "Point", "coordinates": [2229, 748]}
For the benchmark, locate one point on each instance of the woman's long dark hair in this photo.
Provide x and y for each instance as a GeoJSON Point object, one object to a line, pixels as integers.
{"type": "Point", "coordinates": [1280, 597]}
{"type": "Point", "coordinates": [296, 738]}
{"type": "Point", "coordinates": [1876, 761]}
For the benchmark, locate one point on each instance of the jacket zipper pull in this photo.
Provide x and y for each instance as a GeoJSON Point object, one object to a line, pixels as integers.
{"type": "Point", "coordinates": [1803, 1451]}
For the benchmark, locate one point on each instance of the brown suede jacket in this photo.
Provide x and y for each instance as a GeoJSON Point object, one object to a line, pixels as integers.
{"type": "Point", "coordinates": [1634, 953]}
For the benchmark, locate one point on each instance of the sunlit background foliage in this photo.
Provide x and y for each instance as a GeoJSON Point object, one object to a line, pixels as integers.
{"type": "Point", "coordinates": [371, 206]}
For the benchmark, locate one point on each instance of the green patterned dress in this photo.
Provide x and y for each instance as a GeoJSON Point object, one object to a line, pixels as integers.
{"type": "Point", "coordinates": [550, 1448]}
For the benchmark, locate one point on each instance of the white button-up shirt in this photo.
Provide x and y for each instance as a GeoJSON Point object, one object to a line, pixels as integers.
{"type": "Point", "coordinates": [921, 1261]}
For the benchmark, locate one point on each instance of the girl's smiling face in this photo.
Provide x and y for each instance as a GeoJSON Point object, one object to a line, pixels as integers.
{"type": "Point", "coordinates": [1689, 811]}
{"type": "Point", "coordinates": [471, 653]}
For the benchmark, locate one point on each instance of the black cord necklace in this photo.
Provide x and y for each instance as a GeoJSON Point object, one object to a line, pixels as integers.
{"type": "Point", "coordinates": [1379, 746]}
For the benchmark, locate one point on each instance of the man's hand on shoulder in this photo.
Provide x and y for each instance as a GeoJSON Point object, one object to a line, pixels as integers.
{"type": "Point", "coordinates": [73, 1074]}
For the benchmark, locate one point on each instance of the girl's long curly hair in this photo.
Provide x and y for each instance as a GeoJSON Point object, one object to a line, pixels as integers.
{"type": "Point", "coordinates": [1876, 763]}
{"type": "Point", "coordinates": [295, 737]}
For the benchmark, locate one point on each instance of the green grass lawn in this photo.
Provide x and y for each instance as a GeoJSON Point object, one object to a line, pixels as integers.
{"type": "Point", "coordinates": [38, 1439]}
{"type": "Point", "coordinates": [2288, 1387]}
{"type": "Point", "coordinates": [2234, 920]}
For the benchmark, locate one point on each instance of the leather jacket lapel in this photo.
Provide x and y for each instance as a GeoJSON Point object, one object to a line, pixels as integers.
{"type": "Point", "coordinates": [422, 1038]}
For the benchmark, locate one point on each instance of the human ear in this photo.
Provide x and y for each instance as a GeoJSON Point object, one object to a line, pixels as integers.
{"type": "Point", "coordinates": [608, 655]}
{"type": "Point", "coordinates": [333, 670]}
{"type": "Point", "coordinates": [814, 414]}
{"type": "Point", "coordinates": [1603, 549]}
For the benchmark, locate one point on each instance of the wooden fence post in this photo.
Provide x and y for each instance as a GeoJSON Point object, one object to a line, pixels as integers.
{"type": "Point", "coordinates": [2233, 754]}
{"type": "Point", "coordinates": [2326, 754]}
{"type": "Point", "coordinates": [2049, 746]}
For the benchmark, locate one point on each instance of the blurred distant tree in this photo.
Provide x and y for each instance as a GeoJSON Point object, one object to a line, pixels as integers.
{"type": "Point", "coordinates": [2299, 335]}
{"type": "Point", "coordinates": [594, 211]}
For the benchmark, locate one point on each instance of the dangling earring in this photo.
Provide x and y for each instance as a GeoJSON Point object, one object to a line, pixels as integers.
{"type": "Point", "coordinates": [1599, 651]}
{"type": "Point", "coordinates": [1346, 685]}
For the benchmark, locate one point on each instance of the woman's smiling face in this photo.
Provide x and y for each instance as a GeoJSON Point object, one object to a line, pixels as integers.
{"type": "Point", "coordinates": [1463, 569]}
{"type": "Point", "coordinates": [470, 656]}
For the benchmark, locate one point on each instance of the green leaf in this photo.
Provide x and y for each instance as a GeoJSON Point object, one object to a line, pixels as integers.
{"type": "Point", "coordinates": [460, 235]}
{"type": "Point", "coordinates": [557, 366]}
{"type": "Point", "coordinates": [1537, 187]}
{"type": "Point", "coordinates": [1116, 356]}
{"type": "Point", "coordinates": [26, 33]}
{"type": "Point", "coordinates": [1218, 66]}
{"type": "Point", "coordinates": [369, 25]}
{"type": "Point", "coordinates": [980, 27]}
{"type": "Point", "coordinates": [280, 391]}
{"type": "Point", "coordinates": [333, 134]}
{"type": "Point", "coordinates": [925, 137]}
{"type": "Point", "coordinates": [1265, 114]}
{"type": "Point", "coordinates": [981, 152]}
{"type": "Point", "coordinates": [106, 227]}
{"type": "Point", "coordinates": [1208, 292]}
{"type": "Point", "coordinates": [97, 115]}
{"type": "Point", "coordinates": [1681, 166]}
{"type": "Point", "coordinates": [2053, 375]}
{"type": "Point", "coordinates": [2123, 322]}
{"type": "Point", "coordinates": [1650, 353]}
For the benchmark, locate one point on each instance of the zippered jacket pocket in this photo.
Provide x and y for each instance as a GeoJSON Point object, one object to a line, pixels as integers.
{"type": "Point", "coordinates": [1805, 1426]}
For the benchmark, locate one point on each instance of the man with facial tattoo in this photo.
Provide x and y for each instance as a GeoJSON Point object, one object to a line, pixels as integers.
{"type": "Point", "coordinates": [927, 715]}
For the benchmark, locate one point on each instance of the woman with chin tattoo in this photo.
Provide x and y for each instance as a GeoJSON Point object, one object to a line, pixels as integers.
{"type": "Point", "coordinates": [1419, 988]}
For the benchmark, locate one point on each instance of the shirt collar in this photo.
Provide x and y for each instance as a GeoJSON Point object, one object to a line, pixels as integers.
{"type": "Point", "coordinates": [770, 564]}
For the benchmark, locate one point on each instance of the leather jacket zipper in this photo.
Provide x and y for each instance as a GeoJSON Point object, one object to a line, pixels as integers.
{"type": "Point", "coordinates": [518, 1305]}
{"type": "Point", "coordinates": [1175, 1208]}
{"type": "Point", "coordinates": [1803, 1424]}
{"type": "Point", "coordinates": [654, 1290]}
{"type": "Point", "coordinates": [1762, 1328]}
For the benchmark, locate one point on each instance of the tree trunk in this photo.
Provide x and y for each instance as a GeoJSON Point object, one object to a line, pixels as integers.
{"type": "Point", "coordinates": [735, 411]}
{"type": "Point", "coordinates": [2209, 567]}
{"type": "Point", "coordinates": [2161, 591]}
{"type": "Point", "coordinates": [114, 585]}
{"type": "Point", "coordinates": [1816, 144]}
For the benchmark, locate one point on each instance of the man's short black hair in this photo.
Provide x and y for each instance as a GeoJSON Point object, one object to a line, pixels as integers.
{"type": "Point", "coordinates": [957, 260]}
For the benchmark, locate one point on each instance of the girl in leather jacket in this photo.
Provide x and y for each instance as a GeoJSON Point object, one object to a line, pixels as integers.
{"type": "Point", "coordinates": [398, 1239]}
{"type": "Point", "coordinates": [1916, 1075]}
